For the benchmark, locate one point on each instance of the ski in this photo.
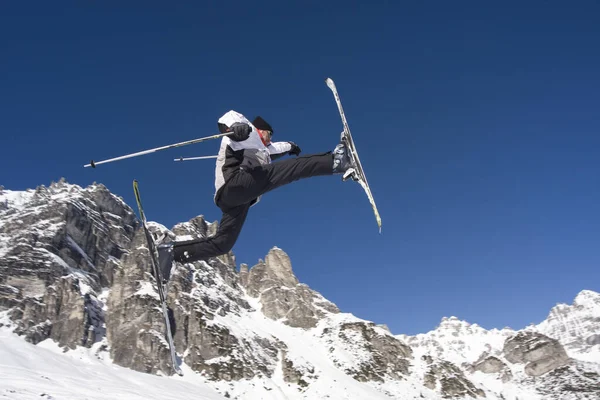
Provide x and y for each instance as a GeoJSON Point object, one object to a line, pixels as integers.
{"type": "Point", "coordinates": [346, 136]}
{"type": "Point", "coordinates": [158, 276]}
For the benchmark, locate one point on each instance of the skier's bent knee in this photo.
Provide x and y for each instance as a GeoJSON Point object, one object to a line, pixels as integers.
{"type": "Point", "coordinates": [224, 245]}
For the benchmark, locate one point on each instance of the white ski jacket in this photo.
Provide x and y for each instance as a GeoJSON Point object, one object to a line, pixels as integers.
{"type": "Point", "coordinates": [246, 154]}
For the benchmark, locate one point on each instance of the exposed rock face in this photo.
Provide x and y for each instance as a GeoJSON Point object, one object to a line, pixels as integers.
{"type": "Point", "coordinates": [490, 365]}
{"type": "Point", "coordinates": [56, 244]}
{"type": "Point", "coordinates": [244, 275]}
{"type": "Point", "coordinates": [198, 293]}
{"type": "Point", "coordinates": [592, 340]}
{"type": "Point", "coordinates": [207, 292]}
{"type": "Point", "coordinates": [450, 381]}
{"type": "Point", "coordinates": [541, 353]}
{"type": "Point", "coordinates": [300, 375]}
{"type": "Point", "coordinates": [135, 324]}
{"type": "Point", "coordinates": [570, 382]}
{"type": "Point", "coordinates": [367, 352]}
{"type": "Point", "coordinates": [282, 296]}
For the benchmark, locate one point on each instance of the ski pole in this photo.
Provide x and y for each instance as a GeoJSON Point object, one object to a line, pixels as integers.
{"type": "Point", "coordinates": [94, 163]}
{"type": "Point", "coordinates": [193, 158]}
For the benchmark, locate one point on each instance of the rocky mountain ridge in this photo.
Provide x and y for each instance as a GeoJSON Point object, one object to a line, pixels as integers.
{"type": "Point", "coordinates": [258, 332]}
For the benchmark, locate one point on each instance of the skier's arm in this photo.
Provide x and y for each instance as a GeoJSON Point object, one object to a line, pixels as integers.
{"type": "Point", "coordinates": [289, 148]}
{"type": "Point", "coordinates": [282, 148]}
{"type": "Point", "coordinates": [279, 148]}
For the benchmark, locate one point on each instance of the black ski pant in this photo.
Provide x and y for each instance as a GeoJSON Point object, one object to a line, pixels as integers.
{"type": "Point", "coordinates": [237, 195]}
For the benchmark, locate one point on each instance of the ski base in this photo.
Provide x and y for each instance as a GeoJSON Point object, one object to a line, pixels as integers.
{"type": "Point", "coordinates": [346, 137]}
{"type": "Point", "coordinates": [159, 279]}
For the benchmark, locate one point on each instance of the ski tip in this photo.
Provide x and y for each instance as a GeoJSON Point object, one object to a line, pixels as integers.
{"type": "Point", "coordinates": [330, 83]}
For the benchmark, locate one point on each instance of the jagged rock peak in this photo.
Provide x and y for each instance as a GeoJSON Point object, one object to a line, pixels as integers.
{"type": "Point", "coordinates": [453, 321]}
{"type": "Point", "coordinates": [455, 324]}
{"type": "Point", "coordinates": [586, 300]}
{"type": "Point", "coordinates": [57, 234]}
{"type": "Point", "coordinates": [58, 191]}
{"type": "Point", "coordinates": [195, 228]}
{"type": "Point", "coordinates": [279, 267]}
{"type": "Point", "coordinates": [281, 294]}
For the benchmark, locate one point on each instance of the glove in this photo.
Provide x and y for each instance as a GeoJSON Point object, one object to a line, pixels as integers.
{"type": "Point", "coordinates": [240, 131]}
{"type": "Point", "coordinates": [295, 149]}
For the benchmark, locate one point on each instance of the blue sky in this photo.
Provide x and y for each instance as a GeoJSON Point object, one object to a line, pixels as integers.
{"type": "Point", "coordinates": [478, 127]}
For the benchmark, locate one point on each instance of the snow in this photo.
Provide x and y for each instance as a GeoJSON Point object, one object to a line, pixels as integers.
{"type": "Point", "coordinates": [459, 341]}
{"type": "Point", "coordinates": [16, 199]}
{"type": "Point", "coordinates": [58, 260]}
{"type": "Point", "coordinates": [111, 215]}
{"type": "Point", "coordinates": [587, 299]}
{"type": "Point", "coordinates": [45, 371]}
{"type": "Point", "coordinates": [307, 354]}
{"type": "Point", "coordinates": [80, 251]}
{"type": "Point", "coordinates": [573, 324]}
{"type": "Point", "coordinates": [29, 372]}
{"type": "Point", "coordinates": [153, 225]}
{"type": "Point", "coordinates": [508, 389]}
{"type": "Point", "coordinates": [85, 288]}
{"type": "Point", "coordinates": [146, 289]}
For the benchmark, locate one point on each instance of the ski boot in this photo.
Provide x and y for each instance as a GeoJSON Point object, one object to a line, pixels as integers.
{"type": "Point", "coordinates": [342, 162]}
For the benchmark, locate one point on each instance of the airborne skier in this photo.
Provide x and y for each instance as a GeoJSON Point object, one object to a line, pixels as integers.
{"type": "Point", "coordinates": [243, 173]}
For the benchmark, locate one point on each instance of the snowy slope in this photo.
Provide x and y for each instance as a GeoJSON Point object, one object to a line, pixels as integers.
{"type": "Point", "coordinates": [45, 371]}
{"type": "Point", "coordinates": [29, 372]}
{"type": "Point", "coordinates": [306, 351]}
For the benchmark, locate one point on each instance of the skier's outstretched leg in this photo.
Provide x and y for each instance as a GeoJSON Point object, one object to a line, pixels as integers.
{"type": "Point", "coordinates": [226, 236]}
{"type": "Point", "coordinates": [247, 185]}
{"type": "Point", "coordinates": [290, 170]}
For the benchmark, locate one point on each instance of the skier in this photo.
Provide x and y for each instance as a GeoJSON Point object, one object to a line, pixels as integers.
{"type": "Point", "coordinates": [244, 173]}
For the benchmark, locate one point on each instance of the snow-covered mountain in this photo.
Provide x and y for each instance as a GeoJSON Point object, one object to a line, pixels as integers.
{"type": "Point", "coordinates": [538, 362]}
{"type": "Point", "coordinates": [252, 333]}
{"type": "Point", "coordinates": [576, 326]}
